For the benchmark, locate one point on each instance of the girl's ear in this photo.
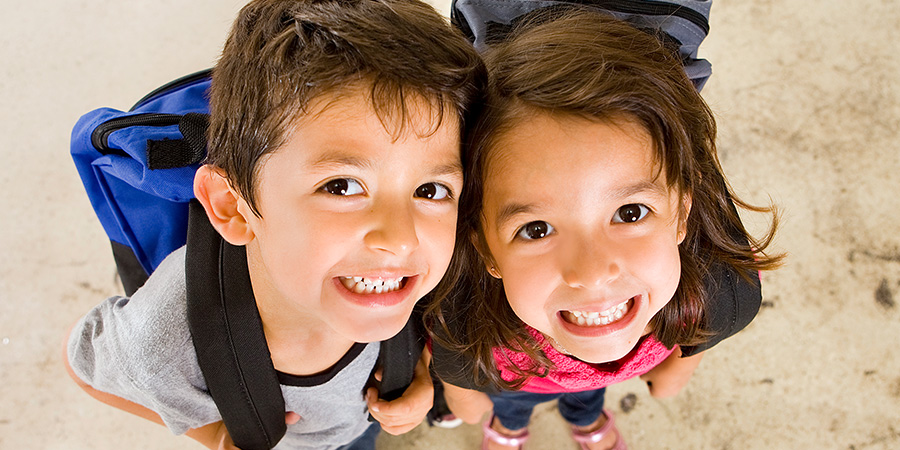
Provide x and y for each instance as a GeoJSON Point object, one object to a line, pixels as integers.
{"type": "Point", "coordinates": [221, 202]}
{"type": "Point", "coordinates": [686, 203]}
{"type": "Point", "coordinates": [486, 257]}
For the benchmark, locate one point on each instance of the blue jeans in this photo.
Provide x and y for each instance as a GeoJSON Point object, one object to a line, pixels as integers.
{"type": "Point", "coordinates": [513, 408]}
{"type": "Point", "coordinates": [365, 441]}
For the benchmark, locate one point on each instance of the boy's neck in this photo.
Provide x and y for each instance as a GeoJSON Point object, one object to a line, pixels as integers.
{"type": "Point", "coordinates": [300, 343]}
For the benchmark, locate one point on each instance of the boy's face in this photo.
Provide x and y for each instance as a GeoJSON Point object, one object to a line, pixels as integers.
{"type": "Point", "coordinates": [356, 226]}
{"type": "Point", "coordinates": [583, 233]}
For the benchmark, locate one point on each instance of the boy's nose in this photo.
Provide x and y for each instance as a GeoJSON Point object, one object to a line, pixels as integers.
{"type": "Point", "coordinates": [393, 230]}
{"type": "Point", "coordinates": [590, 264]}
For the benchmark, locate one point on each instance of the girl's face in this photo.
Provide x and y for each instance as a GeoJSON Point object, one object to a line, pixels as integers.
{"type": "Point", "coordinates": [583, 230]}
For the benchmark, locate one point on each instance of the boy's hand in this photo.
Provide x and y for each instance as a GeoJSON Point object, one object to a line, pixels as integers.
{"type": "Point", "coordinates": [408, 411]}
{"type": "Point", "coordinates": [467, 404]}
{"type": "Point", "coordinates": [215, 436]}
{"type": "Point", "coordinates": [668, 378]}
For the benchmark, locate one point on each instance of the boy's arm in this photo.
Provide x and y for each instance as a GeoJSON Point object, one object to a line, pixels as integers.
{"type": "Point", "coordinates": [408, 411]}
{"type": "Point", "coordinates": [212, 436]}
{"type": "Point", "coordinates": [669, 377]}
{"type": "Point", "coordinates": [467, 404]}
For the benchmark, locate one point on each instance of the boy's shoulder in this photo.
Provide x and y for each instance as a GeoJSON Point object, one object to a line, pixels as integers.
{"type": "Point", "coordinates": [143, 333]}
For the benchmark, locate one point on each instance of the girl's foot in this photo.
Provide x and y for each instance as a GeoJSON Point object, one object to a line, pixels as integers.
{"type": "Point", "coordinates": [498, 437]}
{"type": "Point", "coordinates": [600, 435]}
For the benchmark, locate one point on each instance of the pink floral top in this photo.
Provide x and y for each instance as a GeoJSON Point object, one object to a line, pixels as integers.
{"type": "Point", "coordinates": [573, 375]}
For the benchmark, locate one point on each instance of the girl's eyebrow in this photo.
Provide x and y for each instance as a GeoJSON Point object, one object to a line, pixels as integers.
{"type": "Point", "coordinates": [510, 210]}
{"type": "Point", "coordinates": [649, 186]}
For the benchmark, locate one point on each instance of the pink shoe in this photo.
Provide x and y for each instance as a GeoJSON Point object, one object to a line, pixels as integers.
{"type": "Point", "coordinates": [597, 435]}
{"type": "Point", "coordinates": [492, 435]}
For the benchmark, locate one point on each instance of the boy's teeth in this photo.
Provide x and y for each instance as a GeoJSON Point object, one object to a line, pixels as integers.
{"type": "Point", "coordinates": [362, 285]}
{"type": "Point", "coordinates": [593, 318]}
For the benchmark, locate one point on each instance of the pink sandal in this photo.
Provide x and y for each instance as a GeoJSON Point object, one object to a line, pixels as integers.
{"type": "Point", "coordinates": [492, 435]}
{"type": "Point", "coordinates": [597, 435]}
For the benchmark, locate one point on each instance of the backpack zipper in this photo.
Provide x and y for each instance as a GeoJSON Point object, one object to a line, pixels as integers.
{"type": "Point", "coordinates": [173, 85]}
{"type": "Point", "coordinates": [100, 136]}
{"type": "Point", "coordinates": [649, 8]}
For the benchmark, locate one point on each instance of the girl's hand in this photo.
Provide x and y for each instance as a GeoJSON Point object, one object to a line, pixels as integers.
{"type": "Point", "coordinates": [668, 378]}
{"type": "Point", "coordinates": [408, 411]}
{"type": "Point", "coordinates": [469, 405]}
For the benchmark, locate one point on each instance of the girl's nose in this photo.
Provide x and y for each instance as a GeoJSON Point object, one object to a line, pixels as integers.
{"type": "Point", "coordinates": [393, 229]}
{"type": "Point", "coordinates": [590, 264]}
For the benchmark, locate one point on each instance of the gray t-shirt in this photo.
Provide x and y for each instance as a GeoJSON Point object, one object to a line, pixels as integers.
{"type": "Point", "coordinates": [140, 349]}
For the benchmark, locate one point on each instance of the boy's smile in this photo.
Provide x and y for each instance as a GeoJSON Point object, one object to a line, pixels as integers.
{"type": "Point", "coordinates": [357, 223]}
{"type": "Point", "coordinates": [583, 230]}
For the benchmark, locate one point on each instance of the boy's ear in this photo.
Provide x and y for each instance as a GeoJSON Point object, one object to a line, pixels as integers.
{"type": "Point", "coordinates": [686, 202]}
{"type": "Point", "coordinates": [221, 204]}
{"type": "Point", "coordinates": [489, 263]}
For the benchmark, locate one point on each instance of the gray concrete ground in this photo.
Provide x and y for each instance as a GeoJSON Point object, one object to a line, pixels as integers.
{"type": "Point", "coordinates": [808, 103]}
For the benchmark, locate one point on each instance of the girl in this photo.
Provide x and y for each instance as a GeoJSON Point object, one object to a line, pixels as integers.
{"type": "Point", "coordinates": [604, 228]}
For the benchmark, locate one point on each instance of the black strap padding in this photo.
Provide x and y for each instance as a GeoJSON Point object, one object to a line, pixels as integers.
{"type": "Point", "coordinates": [173, 153]}
{"type": "Point", "coordinates": [228, 336]}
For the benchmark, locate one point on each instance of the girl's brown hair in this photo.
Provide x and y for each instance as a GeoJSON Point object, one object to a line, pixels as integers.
{"type": "Point", "coordinates": [586, 64]}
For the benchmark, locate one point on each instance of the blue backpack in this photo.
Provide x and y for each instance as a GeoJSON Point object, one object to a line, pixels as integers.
{"type": "Point", "coordinates": [138, 169]}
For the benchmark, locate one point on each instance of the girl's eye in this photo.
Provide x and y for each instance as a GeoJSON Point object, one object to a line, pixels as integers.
{"type": "Point", "coordinates": [433, 191]}
{"type": "Point", "coordinates": [630, 213]}
{"type": "Point", "coordinates": [343, 186]}
{"type": "Point", "coordinates": [535, 230]}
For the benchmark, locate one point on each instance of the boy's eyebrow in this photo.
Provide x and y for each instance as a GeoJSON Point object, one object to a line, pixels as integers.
{"type": "Point", "coordinates": [337, 159]}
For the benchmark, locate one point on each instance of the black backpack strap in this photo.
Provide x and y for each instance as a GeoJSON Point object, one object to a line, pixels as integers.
{"type": "Point", "coordinates": [399, 356]}
{"type": "Point", "coordinates": [228, 336]}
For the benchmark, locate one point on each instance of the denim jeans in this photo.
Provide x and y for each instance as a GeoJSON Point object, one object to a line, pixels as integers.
{"type": "Point", "coordinates": [365, 441]}
{"type": "Point", "coordinates": [513, 408]}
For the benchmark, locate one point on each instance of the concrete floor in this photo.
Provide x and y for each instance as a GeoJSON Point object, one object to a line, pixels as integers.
{"type": "Point", "coordinates": [808, 103]}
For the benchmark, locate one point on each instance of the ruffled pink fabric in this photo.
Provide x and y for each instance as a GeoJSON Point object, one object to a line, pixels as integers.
{"type": "Point", "coordinates": [573, 375]}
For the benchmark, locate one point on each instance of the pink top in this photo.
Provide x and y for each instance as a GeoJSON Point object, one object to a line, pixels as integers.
{"type": "Point", "coordinates": [573, 375]}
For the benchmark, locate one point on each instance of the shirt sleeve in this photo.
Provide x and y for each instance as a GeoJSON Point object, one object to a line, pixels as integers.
{"type": "Point", "coordinates": [733, 302]}
{"type": "Point", "coordinates": [139, 349]}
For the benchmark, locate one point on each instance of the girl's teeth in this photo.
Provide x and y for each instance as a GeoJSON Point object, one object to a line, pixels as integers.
{"type": "Point", "coordinates": [593, 318]}
{"type": "Point", "coordinates": [362, 285]}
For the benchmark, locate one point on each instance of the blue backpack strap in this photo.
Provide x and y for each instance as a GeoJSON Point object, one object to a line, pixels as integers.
{"type": "Point", "coordinates": [684, 23]}
{"type": "Point", "coordinates": [227, 333]}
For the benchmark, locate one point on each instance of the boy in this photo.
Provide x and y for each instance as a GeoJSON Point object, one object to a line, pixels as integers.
{"type": "Point", "coordinates": [334, 163]}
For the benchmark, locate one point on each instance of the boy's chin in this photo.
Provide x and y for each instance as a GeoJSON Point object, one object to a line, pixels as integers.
{"type": "Point", "coordinates": [374, 331]}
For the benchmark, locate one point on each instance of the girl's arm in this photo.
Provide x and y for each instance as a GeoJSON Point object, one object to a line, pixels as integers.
{"type": "Point", "coordinates": [467, 404]}
{"type": "Point", "coordinates": [673, 374]}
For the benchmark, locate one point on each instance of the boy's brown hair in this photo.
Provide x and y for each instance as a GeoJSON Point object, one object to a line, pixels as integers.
{"type": "Point", "coordinates": [281, 54]}
{"type": "Point", "coordinates": [586, 64]}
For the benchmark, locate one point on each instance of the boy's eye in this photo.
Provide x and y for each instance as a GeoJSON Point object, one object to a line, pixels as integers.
{"type": "Point", "coordinates": [630, 213]}
{"type": "Point", "coordinates": [433, 191]}
{"type": "Point", "coordinates": [343, 186]}
{"type": "Point", "coordinates": [535, 230]}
